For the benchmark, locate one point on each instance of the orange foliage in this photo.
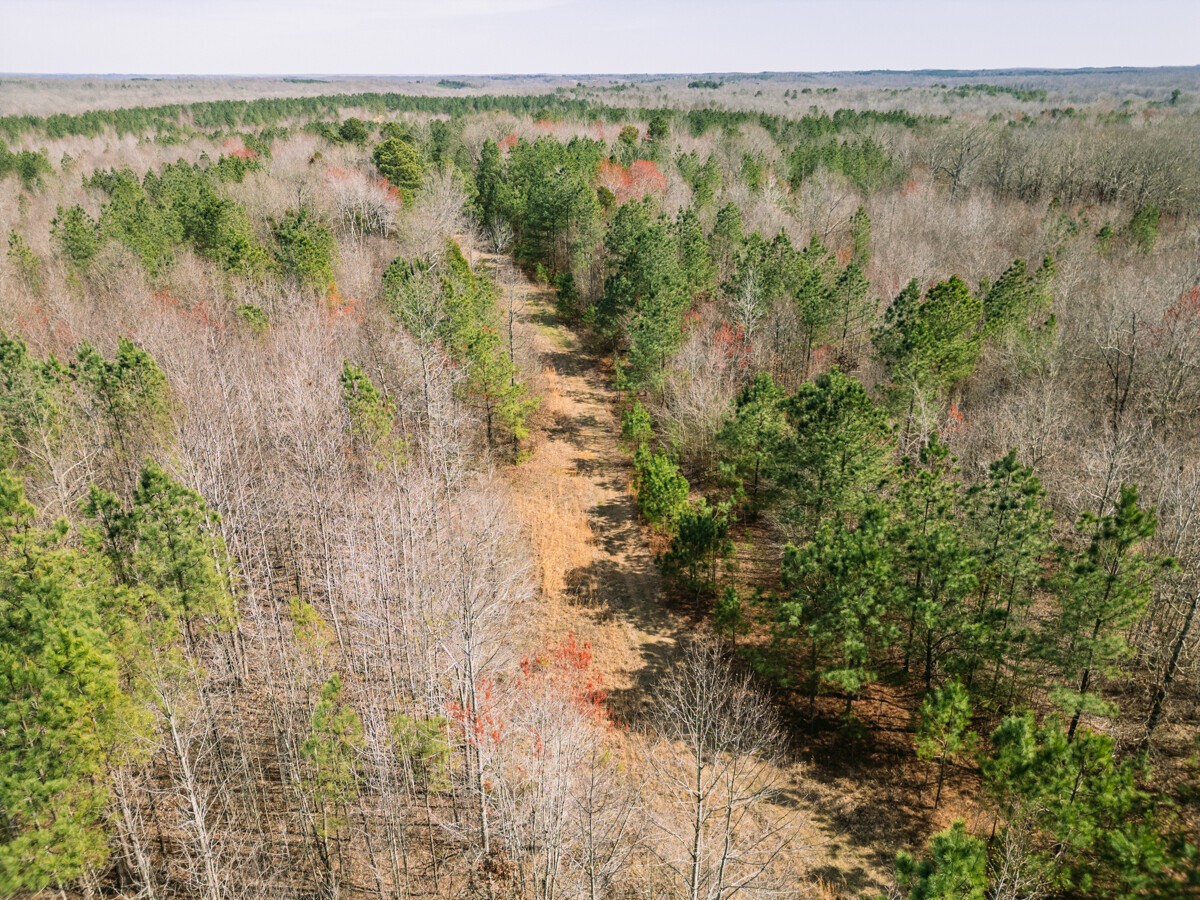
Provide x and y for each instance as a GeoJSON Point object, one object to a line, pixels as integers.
{"type": "Point", "coordinates": [387, 187]}
{"type": "Point", "coordinates": [646, 178]}
{"type": "Point", "coordinates": [340, 307]}
{"type": "Point", "coordinates": [508, 141]}
{"type": "Point", "coordinates": [633, 183]}
{"type": "Point", "coordinates": [954, 420]}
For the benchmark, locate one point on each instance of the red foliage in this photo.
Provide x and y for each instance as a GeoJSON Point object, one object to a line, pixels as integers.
{"type": "Point", "coordinates": [640, 179]}
{"type": "Point", "coordinates": [646, 178]}
{"type": "Point", "coordinates": [569, 669]}
{"type": "Point", "coordinates": [234, 147]}
{"type": "Point", "coordinates": [819, 361]}
{"type": "Point", "coordinates": [731, 341]}
{"type": "Point", "coordinates": [482, 726]}
{"type": "Point", "coordinates": [508, 141]}
{"type": "Point", "coordinates": [1187, 308]}
{"type": "Point", "coordinates": [391, 190]}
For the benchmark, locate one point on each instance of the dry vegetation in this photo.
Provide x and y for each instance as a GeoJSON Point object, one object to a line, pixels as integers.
{"type": "Point", "coordinates": [423, 646]}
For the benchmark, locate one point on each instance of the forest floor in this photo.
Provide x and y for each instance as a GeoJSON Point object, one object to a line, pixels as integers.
{"type": "Point", "coordinates": [598, 580]}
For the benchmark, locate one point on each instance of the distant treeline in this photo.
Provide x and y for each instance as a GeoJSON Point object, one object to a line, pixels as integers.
{"type": "Point", "coordinates": [994, 90]}
{"type": "Point", "coordinates": [231, 114]}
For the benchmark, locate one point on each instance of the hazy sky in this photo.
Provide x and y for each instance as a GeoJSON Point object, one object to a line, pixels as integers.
{"type": "Point", "coordinates": [580, 36]}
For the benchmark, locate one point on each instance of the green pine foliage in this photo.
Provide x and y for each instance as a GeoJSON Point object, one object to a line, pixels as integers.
{"type": "Point", "coordinates": [165, 540]}
{"type": "Point", "coordinates": [838, 593]}
{"type": "Point", "coordinates": [646, 293]}
{"type": "Point", "coordinates": [839, 450]}
{"type": "Point", "coordinates": [637, 429]}
{"type": "Point", "coordinates": [930, 343]}
{"type": "Point", "coordinates": [400, 163]}
{"type": "Point", "coordinates": [751, 440]}
{"type": "Point", "coordinates": [129, 395]}
{"type": "Point", "coordinates": [372, 426]}
{"type": "Point", "coordinates": [943, 733]}
{"type": "Point", "coordinates": [1101, 592]}
{"type": "Point", "coordinates": [701, 541]}
{"type": "Point", "coordinates": [305, 249]}
{"type": "Point", "coordinates": [27, 264]}
{"type": "Point", "coordinates": [61, 703]}
{"type": "Point", "coordinates": [30, 166]}
{"type": "Point", "coordinates": [456, 306]}
{"type": "Point", "coordinates": [662, 491]}
{"type": "Point", "coordinates": [77, 236]}
{"type": "Point", "coordinates": [955, 869]}
{"type": "Point", "coordinates": [1084, 822]}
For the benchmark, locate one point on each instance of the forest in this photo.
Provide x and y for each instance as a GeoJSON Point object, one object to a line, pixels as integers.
{"type": "Point", "coordinates": [689, 486]}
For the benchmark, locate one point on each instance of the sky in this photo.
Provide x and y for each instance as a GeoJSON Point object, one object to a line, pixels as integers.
{"type": "Point", "coordinates": [476, 37]}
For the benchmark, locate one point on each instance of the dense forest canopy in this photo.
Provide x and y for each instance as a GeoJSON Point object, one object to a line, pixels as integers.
{"type": "Point", "coordinates": [606, 487]}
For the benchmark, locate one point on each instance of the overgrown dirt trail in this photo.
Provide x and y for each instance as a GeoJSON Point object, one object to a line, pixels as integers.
{"type": "Point", "coordinates": [599, 580]}
{"type": "Point", "coordinates": [573, 494]}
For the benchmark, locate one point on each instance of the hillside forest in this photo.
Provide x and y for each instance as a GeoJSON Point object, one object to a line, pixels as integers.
{"type": "Point", "coordinates": [699, 487]}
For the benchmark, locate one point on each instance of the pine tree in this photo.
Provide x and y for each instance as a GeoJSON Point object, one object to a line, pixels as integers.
{"type": "Point", "coordinates": [1101, 591]}
{"type": "Point", "coordinates": [695, 260]}
{"type": "Point", "coordinates": [860, 235]}
{"type": "Point", "coordinates": [305, 249]}
{"type": "Point", "coordinates": [955, 869]}
{"type": "Point", "coordinates": [331, 753]}
{"type": "Point", "coordinates": [637, 430]}
{"type": "Point", "coordinates": [937, 564]}
{"type": "Point", "coordinates": [839, 597]}
{"type": "Point", "coordinates": [852, 308]}
{"type": "Point", "coordinates": [488, 177]}
{"type": "Point", "coordinates": [130, 395]}
{"type": "Point", "coordinates": [839, 450]}
{"type": "Point", "coordinates": [701, 541]}
{"type": "Point", "coordinates": [61, 704]}
{"type": "Point", "coordinates": [372, 419]}
{"type": "Point", "coordinates": [1086, 824]}
{"type": "Point", "coordinates": [1017, 305]}
{"type": "Point", "coordinates": [1010, 528]}
{"type": "Point", "coordinates": [662, 492]}
{"type": "Point", "coordinates": [751, 440]}
{"type": "Point", "coordinates": [942, 728]}
{"type": "Point", "coordinates": [726, 240]}
{"type": "Point", "coordinates": [930, 344]}
{"type": "Point", "coordinates": [164, 540]}
{"type": "Point", "coordinates": [400, 163]}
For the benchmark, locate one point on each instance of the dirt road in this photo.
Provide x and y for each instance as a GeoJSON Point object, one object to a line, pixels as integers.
{"type": "Point", "coordinates": [598, 573]}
